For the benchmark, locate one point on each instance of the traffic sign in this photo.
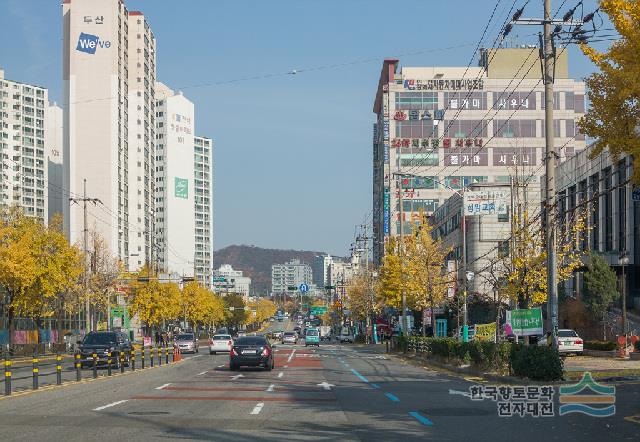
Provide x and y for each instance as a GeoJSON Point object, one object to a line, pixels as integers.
{"type": "Point", "coordinates": [292, 288]}
{"type": "Point", "coordinates": [318, 310]}
{"type": "Point", "coordinates": [218, 279]}
{"type": "Point", "coordinates": [304, 288]}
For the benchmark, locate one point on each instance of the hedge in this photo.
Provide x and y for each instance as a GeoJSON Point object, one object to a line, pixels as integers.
{"type": "Point", "coordinates": [533, 362]}
{"type": "Point", "coordinates": [600, 345]}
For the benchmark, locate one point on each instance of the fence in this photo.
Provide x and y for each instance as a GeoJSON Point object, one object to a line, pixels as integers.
{"type": "Point", "coordinates": [36, 368]}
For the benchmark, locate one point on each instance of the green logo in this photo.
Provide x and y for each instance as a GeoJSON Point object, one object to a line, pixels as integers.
{"type": "Point", "coordinates": [181, 188]}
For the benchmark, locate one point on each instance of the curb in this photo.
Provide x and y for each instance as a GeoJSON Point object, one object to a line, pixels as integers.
{"type": "Point", "coordinates": [84, 381]}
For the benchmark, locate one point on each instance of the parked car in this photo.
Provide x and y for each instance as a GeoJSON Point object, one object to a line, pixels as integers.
{"type": "Point", "coordinates": [187, 343]}
{"type": "Point", "coordinates": [345, 335]}
{"type": "Point", "coordinates": [289, 338]}
{"type": "Point", "coordinates": [325, 333]}
{"type": "Point", "coordinates": [568, 341]}
{"type": "Point", "coordinates": [220, 343]}
{"type": "Point", "coordinates": [252, 351]}
{"type": "Point", "coordinates": [100, 343]}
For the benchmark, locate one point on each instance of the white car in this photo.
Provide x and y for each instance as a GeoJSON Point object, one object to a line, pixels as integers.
{"type": "Point", "coordinates": [220, 343]}
{"type": "Point", "coordinates": [568, 341]}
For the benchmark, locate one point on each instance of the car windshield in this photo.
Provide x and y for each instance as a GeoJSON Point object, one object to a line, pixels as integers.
{"type": "Point", "coordinates": [312, 332]}
{"type": "Point", "coordinates": [99, 338]}
{"type": "Point", "coordinates": [567, 334]}
{"type": "Point", "coordinates": [251, 340]}
{"type": "Point", "coordinates": [221, 337]}
{"type": "Point", "coordinates": [185, 337]}
{"type": "Point", "coordinates": [289, 334]}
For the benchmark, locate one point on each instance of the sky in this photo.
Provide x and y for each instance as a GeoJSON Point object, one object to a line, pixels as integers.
{"type": "Point", "coordinates": [293, 152]}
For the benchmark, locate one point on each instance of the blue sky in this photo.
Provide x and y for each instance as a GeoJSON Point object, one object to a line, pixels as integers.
{"type": "Point", "coordinates": [292, 152]}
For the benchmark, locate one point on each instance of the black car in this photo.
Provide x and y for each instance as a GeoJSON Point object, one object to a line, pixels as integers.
{"type": "Point", "coordinates": [100, 343]}
{"type": "Point", "coordinates": [251, 351]}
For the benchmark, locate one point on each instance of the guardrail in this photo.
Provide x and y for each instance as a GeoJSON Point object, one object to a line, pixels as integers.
{"type": "Point", "coordinates": [53, 366]}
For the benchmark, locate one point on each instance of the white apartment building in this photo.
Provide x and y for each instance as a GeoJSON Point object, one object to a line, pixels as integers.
{"type": "Point", "coordinates": [203, 202]}
{"type": "Point", "coordinates": [58, 196]}
{"type": "Point", "coordinates": [96, 65]}
{"type": "Point", "coordinates": [233, 281]}
{"type": "Point", "coordinates": [174, 196]}
{"type": "Point", "coordinates": [23, 125]}
{"type": "Point", "coordinates": [320, 267]}
{"type": "Point", "coordinates": [141, 131]}
{"type": "Point", "coordinates": [290, 274]}
{"type": "Point", "coordinates": [445, 128]}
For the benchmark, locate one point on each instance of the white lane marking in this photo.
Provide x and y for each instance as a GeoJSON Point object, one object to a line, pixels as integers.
{"type": "Point", "coordinates": [163, 386]}
{"type": "Point", "coordinates": [280, 374]}
{"type": "Point", "coordinates": [200, 374]}
{"type": "Point", "coordinates": [220, 366]}
{"type": "Point", "coordinates": [271, 387]}
{"type": "Point", "coordinates": [326, 385]}
{"type": "Point", "coordinates": [196, 356]}
{"type": "Point", "coordinates": [291, 355]}
{"type": "Point", "coordinates": [461, 393]}
{"type": "Point", "coordinates": [258, 408]}
{"type": "Point", "coordinates": [236, 377]}
{"type": "Point", "coordinates": [111, 405]}
{"type": "Point", "coordinates": [286, 366]}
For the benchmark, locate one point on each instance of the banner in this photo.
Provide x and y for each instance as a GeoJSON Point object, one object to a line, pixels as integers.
{"type": "Point", "coordinates": [524, 322]}
{"type": "Point", "coordinates": [486, 332]}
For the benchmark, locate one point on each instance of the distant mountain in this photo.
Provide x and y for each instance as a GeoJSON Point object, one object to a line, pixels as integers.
{"type": "Point", "coordinates": [256, 262]}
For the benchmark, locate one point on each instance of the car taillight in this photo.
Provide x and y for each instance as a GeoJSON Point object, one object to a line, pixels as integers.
{"type": "Point", "coordinates": [265, 352]}
{"type": "Point", "coordinates": [578, 341]}
{"type": "Point", "coordinates": [234, 352]}
{"type": "Point", "coordinates": [229, 343]}
{"type": "Point", "coordinates": [210, 341]}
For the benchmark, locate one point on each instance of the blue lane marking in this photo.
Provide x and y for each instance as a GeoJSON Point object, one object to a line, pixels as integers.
{"type": "Point", "coordinates": [423, 420]}
{"type": "Point", "coordinates": [392, 397]}
{"type": "Point", "coordinates": [362, 378]}
{"type": "Point", "coordinates": [375, 385]}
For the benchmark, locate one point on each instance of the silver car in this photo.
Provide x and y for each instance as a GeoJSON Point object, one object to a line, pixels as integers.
{"type": "Point", "coordinates": [290, 338]}
{"type": "Point", "coordinates": [220, 343]}
{"type": "Point", "coordinates": [187, 343]}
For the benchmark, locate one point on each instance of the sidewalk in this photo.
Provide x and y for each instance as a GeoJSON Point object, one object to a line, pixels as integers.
{"type": "Point", "coordinates": [600, 367]}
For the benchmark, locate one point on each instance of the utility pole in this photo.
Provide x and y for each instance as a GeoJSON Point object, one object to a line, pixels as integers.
{"type": "Point", "coordinates": [465, 315]}
{"type": "Point", "coordinates": [401, 255]}
{"type": "Point", "coordinates": [85, 232]}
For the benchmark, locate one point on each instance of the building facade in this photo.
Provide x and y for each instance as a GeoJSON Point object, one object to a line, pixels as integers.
{"type": "Point", "coordinates": [58, 197]}
{"type": "Point", "coordinates": [286, 278]}
{"type": "Point", "coordinates": [174, 191]}
{"type": "Point", "coordinates": [602, 186]}
{"type": "Point", "coordinates": [441, 129]}
{"type": "Point", "coordinates": [141, 141]}
{"type": "Point", "coordinates": [320, 268]}
{"type": "Point", "coordinates": [203, 204]}
{"type": "Point", "coordinates": [228, 280]}
{"type": "Point", "coordinates": [24, 131]}
{"type": "Point", "coordinates": [488, 235]}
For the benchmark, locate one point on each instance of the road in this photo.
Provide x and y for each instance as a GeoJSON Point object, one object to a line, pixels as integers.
{"type": "Point", "coordinates": [335, 392]}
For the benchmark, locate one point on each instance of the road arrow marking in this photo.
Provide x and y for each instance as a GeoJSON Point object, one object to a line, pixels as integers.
{"type": "Point", "coordinates": [461, 393]}
{"type": "Point", "coordinates": [291, 355]}
{"type": "Point", "coordinates": [110, 405]}
{"type": "Point", "coordinates": [258, 408]}
{"type": "Point", "coordinates": [163, 386]}
{"type": "Point", "coordinates": [271, 387]}
{"type": "Point", "coordinates": [280, 374]}
{"type": "Point", "coordinates": [236, 377]}
{"type": "Point", "coordinates": [200, 374]}
{"type": "Point", "coordinates": [326, 385]}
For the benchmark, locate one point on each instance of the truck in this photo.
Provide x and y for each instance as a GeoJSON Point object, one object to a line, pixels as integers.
{"type": "Point", "coordinates": [325, 332]}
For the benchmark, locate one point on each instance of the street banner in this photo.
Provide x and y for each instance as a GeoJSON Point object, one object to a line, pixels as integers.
{"type": "Point", "coordinates": [426, 316]}
{"type": "Point", "coordinates": [524, 322]}
{"type": "Point", "coordinates": [486, 332]}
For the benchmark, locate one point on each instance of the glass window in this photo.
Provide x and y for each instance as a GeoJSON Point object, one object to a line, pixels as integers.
{"type": "Point", "coordinates": [465, 128]}
{"type": "Point", "coordinates": [415, 129]}
{"type": "Point", "coordinates": [622, 205]}
{"type": "Point", "coordinates": [418, 160]}
{"type": "Point", "coordinates": [465, 100]}
{"type": "Point", "coordinates": [427, 182]}
{"type": "Point", "coordinates": [514, 128]}
{"type": "Point", "coordinates": [608, 211]}
{"type": "Point", "coordinates": [416, 100]}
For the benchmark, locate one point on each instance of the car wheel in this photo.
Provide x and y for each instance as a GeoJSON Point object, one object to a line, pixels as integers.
{"type": "Point", "coordinates": [212, 352]}
{"type": "Point", "coordinates": [198, 350]}
{"type": "Point", "coordinates": [268, 367]}
{"type": "Point", "coordinates": [232, 367]}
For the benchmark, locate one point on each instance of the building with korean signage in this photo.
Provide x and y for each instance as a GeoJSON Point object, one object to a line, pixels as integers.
{"type": "Point", "coordinates": [447, 128]}
{"type": "Point", "coordinates": [109, 129]}
{"type": "Point", "coordinates": [174, 190]}
{"type": "Point", "coordinates": [488, 214]}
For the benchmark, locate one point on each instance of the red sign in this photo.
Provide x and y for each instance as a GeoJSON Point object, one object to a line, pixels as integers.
{"type": "Point", "coordinates": [399, 115]}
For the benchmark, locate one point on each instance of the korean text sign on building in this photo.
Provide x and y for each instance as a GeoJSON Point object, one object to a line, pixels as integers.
{"type": "Point", "coordinates": [485, 202]}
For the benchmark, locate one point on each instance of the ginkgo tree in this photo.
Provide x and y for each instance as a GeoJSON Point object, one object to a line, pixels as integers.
{"type": "Point", "coordinates": [613, 119]}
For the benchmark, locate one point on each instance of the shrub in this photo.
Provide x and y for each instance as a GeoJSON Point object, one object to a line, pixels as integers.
{"type": "Point", "coordinates": [637, 345]}
{"type": "Point", "coordinates": [600, 345]}
{"type": "Point", "coordinates": [536, 363]}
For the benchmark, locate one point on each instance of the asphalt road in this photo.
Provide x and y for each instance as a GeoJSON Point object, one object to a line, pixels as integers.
{"type": "Point", "coordinates": [335, 392]}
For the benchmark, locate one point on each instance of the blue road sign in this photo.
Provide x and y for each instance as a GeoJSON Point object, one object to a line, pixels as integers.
{"type": "Point", "coordinates": [304, 288]}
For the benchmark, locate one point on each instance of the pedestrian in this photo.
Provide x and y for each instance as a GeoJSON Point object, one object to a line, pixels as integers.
{"type": "Point", "coordinates": [157, 338]}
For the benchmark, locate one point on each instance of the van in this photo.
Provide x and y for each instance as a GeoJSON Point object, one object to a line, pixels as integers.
{"type": "Point", "coordinates": [312, 337]}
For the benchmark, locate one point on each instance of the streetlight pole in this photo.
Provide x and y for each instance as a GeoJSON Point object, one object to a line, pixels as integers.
{"type": "Point", "coordinates": [624, 260]}
{"type": "Point", "coordinates": [401, 255]}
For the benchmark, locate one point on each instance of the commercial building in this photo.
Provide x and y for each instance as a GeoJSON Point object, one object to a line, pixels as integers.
{"type": "Point", "coordinates": [203, 203]}
{"type": "Point", "coordinates": [320, 269]}
{"type": "Point", "coordinates": [448, 127]}
{"type": "Point", "coordinates": [109, 76]}
{"type": "Point", "coordinates": [24, 124]}
{"type": "Point", "coordinates": [286, 278]}
{"type": "Point", "coordinates": [602, 186]}
{"type": "Point", "coordinates": [488, 213]}
{"type": "Point", "coordinates": [174, 190]}
{"type": "Point", "coordinates": [228, 280]}
{"type": "Point", "coordinates": [57, 196]}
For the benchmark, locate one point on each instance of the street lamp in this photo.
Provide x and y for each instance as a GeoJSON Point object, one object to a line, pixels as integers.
{"type": "Point", "coordinates": [624, 261]}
